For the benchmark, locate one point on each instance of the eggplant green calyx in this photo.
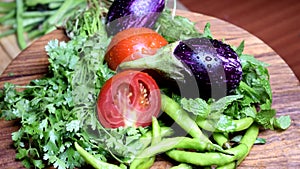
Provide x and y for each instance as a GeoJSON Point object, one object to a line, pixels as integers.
{"type": "Point", "coordinates": [210, 64]}
{"type": "Point", "coordinates": [163, 62]}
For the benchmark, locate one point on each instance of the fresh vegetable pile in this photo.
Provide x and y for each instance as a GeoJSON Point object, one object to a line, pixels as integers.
{"type": "Point", "coordinates": [127, 97]}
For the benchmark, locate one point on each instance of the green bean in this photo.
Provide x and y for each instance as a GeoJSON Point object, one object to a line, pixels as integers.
{"type": "Point", "coordinates": [32, 21]}
{"type": "Point", "coordinates": [35, 33]}
{"type": "Point", "coordinates": [36, 2]}
{"type": "Point", "coordinates": [156, 133]}
{"type": "Point", "coordinates": [240, 124]}
{"type": "Point", "coordinates": [209, 158]}
{"type": "Point", "coordinates": [6, 33]}
{"type": "Point", "coordinates": [221, 140]}
{"type": "Point", "coordinates": [142, 163]}
{"type": "Point", "coordinates": [182, 118]}
{"type": "Point", "coordinates": [7, 6]}
{"type": "Point", "coordinates": [90, 159]}
{"type": "Point", "coordinates": [243, 123]}
{"type": "Point", "coordinates": [54, 5]}
{"type": "Point", "coordinates": [20, 28]}
{"type": "Point", "coordinates": [12, 31]}
{"type": "Point", "coordinates": [10, 22]}
{"type": "Point", "coordinates": [147, 161]}
{"type": "Point", "coordinates": [64, 8]}
{"type": "Point", "coordinates": [123, 166]}
{"type": "Point", "coordinates": [33, 14]}
{"type": "Point", "coordinates": [249, 139]}
{"type": "Point", "coordinates": [181, 143]}
{"type": "Point", "coordinates": [182, 166]}
{"type": "Point", "coordinates": [147, 137]}
{"type": "Point", "coordinates": [200, 159]}
{"type": "Point", "coordinates": [9, 15]}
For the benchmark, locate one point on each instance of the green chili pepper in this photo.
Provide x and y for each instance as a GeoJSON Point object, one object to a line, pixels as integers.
{"type": "Point", "coordinates": [20, 30]}
{"type": "Point", "coordinates": [142, 163]}
{"type": "Point", "coordinates": [179, 142]}
{"type": "Point", "coordinates": [249, 139]}
{"type": "Point", "coordinates": [90, 159]}
{"type": "Point", "coordinates": [147, 161]}
{"type": "Point", "coordinates": [209, 158]}
{"type": "Point", "coordinates": [222, 140]}
{"type": "Point", "coordinates": [146, 139]}
{"type": "Point", "coordinates": [200, 159]}
{"type": "Point", "coordinates": [7, 16]}
{"type": "Point", "coordinates": [156, 133]}
{"type": "Point", "coordinates": [182, 118]}
{"type": "Point", "coordinates": [228, 166]}
{"type": "Point", "coordinates": [241, 124]}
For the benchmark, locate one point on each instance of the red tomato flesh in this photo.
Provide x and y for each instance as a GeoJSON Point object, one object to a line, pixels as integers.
{"type": "Point", "coordinates": [129, 98]}
{"type": "Point", "coordinates": [127, 44]}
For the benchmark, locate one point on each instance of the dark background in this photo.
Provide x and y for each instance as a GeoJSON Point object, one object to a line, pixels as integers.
{"type": "Point", "coordinates": [276, 22]}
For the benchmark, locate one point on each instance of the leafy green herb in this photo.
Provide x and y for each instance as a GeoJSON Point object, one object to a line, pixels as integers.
{"type": "Point", "coordinates": [197, 106]}
{"type": "Point", "coordinates": [282, 122]}
{"type": "Point", "coordinates": [239, 50]}
{"type": "Point", "coordinates": [258, 140]}
{"type": "Point", "coordinates": [254, 92]}
{"type": "Point", "coordinates": [182, 28]}
{"type": "Point", "coordinates": [59, 109]}
{"type": "Point", "coordinates": [206, 32]}
{"type": "Point", "coordinates": [212, 111]}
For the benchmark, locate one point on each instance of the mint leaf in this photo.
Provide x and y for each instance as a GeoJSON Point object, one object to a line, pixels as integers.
{"type": "Point", "coordinates": [197, 106]}
{"type": "Point", "coordinates": [266, 118]}
{"type": "Point", "coordinates": [238, 138]}
{"type": "Point", "coordinates": [222, 104]}
{"type": "Point", "coordinates": [225, 124]}
{"type": "Point", "coordinates": [175, 28]}
{"type": "Point", "coordinates": [282, 122]}
{"type": "Point", "coordinates": [260, 141]}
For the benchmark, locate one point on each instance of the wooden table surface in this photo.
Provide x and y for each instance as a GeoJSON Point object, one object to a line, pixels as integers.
{"type": "Point", "coordinates": [282, 149]}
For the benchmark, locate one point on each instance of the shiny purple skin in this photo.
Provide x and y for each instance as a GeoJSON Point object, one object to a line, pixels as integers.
{"type": "Point", "coordinates": [124, 14]}
{"type": "Point", "coordinates": [215, 65]}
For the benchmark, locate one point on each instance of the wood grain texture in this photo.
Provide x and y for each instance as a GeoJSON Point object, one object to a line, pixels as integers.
{"type": "Point", "coordinates": [282, 149]}
{"type": "Point", "coordinates": [8, 50]}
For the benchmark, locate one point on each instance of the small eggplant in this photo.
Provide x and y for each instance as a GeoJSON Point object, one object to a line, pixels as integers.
{"type": "Point", "coordinates": [212, 65]}
{"type": "Point", "coordinates": [124, 14]}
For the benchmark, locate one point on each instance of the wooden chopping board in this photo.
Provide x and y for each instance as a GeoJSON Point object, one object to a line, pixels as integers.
{"type": "Point", "coordinates": [282, 149]}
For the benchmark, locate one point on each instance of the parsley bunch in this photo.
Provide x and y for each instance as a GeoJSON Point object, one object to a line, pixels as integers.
{"type": "Point", "coordinates": [59, 109]}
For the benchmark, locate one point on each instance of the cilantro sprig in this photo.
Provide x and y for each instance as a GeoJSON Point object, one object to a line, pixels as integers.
{"type": "Point", "coordinates": [59, 109]}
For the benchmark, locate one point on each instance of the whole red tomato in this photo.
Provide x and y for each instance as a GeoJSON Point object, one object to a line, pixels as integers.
{"type": "Point", "coordinates": [127, 44]}
{"type": "Point", "coordinates": [129, 98]}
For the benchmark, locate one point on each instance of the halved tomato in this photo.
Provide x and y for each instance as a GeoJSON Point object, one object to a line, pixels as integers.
{"type": "Point", "coordinates": [129, 98]}
{"type": "Point", "coordinates": [127, 44]}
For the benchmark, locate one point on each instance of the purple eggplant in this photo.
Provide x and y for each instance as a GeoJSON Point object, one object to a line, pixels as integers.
{"type": "Point", "coordinates": [212, 65]}
{"type": "Point", "coordinates": [124, 14]}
